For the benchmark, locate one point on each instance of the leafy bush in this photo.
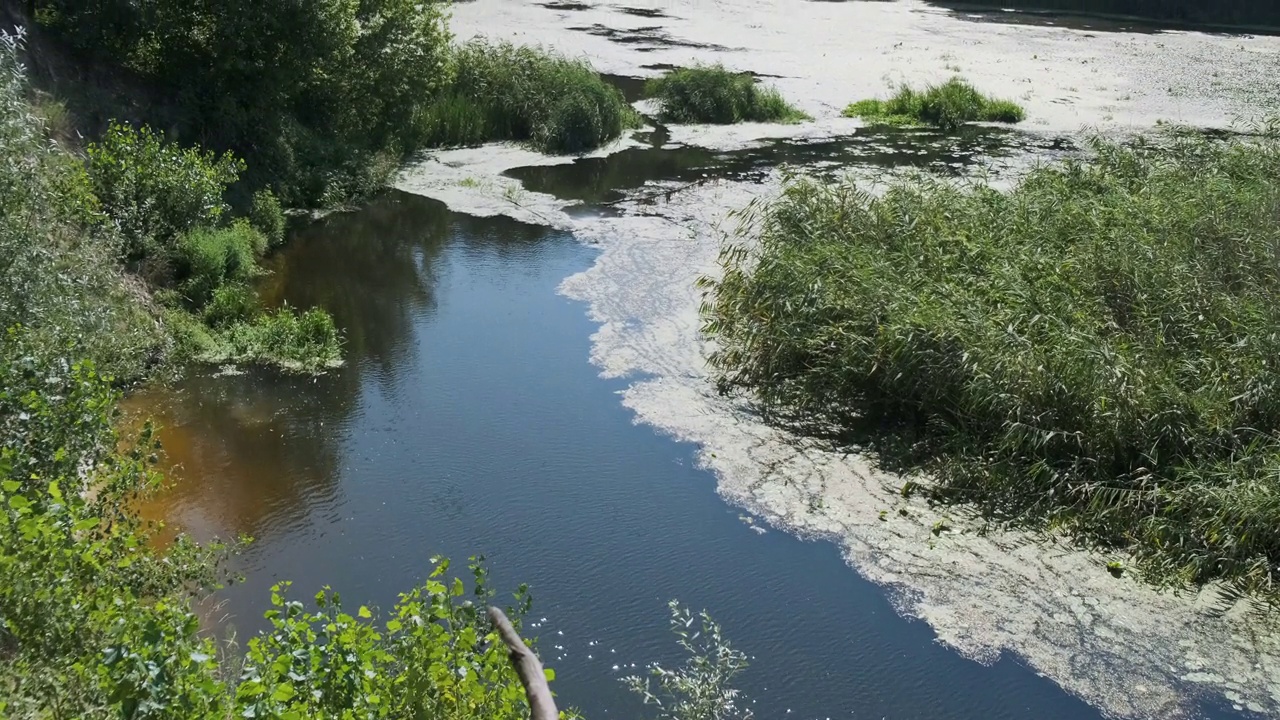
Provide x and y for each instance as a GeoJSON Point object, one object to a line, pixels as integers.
{"type": "Point", "coordinates": [267, 216]}
{"type": "Point", "coordinates": [208, 258]}
{"type": "Point", "coordinates": [505, 92]}
{"type": "Point", "coordinates": [156, 191]}
{"type": "Point", "coordinates": [714, 94]}
{"type": "Point", "coordinates": [1094, 350]}
{"type": "Point", "coordinates": [307, 92]}
{"type": "Point", "coordinates": [76, 574]}
{"type": "Point", "coordinates": [947, 106]}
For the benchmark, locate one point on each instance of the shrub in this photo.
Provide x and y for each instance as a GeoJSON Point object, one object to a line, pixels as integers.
{"type": "Point", "coordinates": [156, 191]}
{"type": "Point", "coordinates": [713, 94]}
{"type": "Point", "coordinates": [947, 106]}
{"type": "Point", "coordinates": [208, 258]}
{"type": "Point", "coordinates": [1094, 350]}
{"type": "Point", "coordinates": [267, 216]}
{"type": "Point", "coordinates": [505, 92]}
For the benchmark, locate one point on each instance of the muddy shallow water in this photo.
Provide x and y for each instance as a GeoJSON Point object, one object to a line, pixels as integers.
{"type": "Point", "coordinates": [511, 316]}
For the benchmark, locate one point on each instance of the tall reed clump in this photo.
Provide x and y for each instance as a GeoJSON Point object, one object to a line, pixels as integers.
{"type": "Point", "coordinates": [714, 94]}
{"type": "Point", "coordinates": [1096, 350]}
{"type": "Point", "coordinates": [947, 106]}
{"type": "Point", "coordinates": [502, 91]}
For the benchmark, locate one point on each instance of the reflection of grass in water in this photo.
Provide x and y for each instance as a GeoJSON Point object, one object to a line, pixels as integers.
{"type": "Point", "coordinates": [1094, 350]}
{"type": "Point", "coordinates": [946, 106]}
{"type": "Point", "coordinates": [714, 94]}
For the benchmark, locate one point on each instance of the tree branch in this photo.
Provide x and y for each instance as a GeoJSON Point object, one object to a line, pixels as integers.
{"type": "Point", "coordinates": [541, 705]}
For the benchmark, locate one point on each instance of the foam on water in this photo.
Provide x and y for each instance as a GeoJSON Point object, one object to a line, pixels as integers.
{"type": "Point", "coordinates": [1128, 649]}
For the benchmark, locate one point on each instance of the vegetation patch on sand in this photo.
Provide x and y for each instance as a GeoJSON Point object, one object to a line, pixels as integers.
{"type": "Point", "coordinates": [1093, 351]}
{"type": "Point", "coordinates": [714, 94]}
{"type": "Point", "coordinates": [947, 106]}
{"type": "Point", "coordinates": [502, 91]}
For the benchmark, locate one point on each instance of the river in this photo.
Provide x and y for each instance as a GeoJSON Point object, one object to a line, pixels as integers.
{"type": "Point", "coordinates": [524, 381]}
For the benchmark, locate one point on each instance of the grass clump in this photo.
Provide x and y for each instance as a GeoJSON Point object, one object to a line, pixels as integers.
{"type": "Point", "coordinates": [1094, 350]}
{"type": "Point", "coordinates": [267, 216]}
{"type": "Point", "coordinates": [715, 94]}
{"type": "Point", "coordinates": [947, 106]}
{"type": "Point", "coordinates": [502, 91]}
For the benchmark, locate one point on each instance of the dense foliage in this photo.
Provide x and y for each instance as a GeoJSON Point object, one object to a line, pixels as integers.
{"type": "Point", "coordinates": [1094, 350]}
{"type": "Point", "coordinates": [98, 254]}
{"type": "Point", "coordinates": [324, 99]}
{"type": "Point", "coordinates": [504, 92]}
{"type": "Point", "coordinates": [166, 203]}
{"type": "Point", "coordinates": [321, 97]}
{"type": "Point", "coordinates": [155, 191]}
{"type": "Point", "coordinates": [947, 106]}
{"type": "Point", "coordinates": [714, 94]}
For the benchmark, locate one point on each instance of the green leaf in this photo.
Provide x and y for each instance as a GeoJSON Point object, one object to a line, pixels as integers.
{"type": "Point", "coordinates": [458, 589]}
{"type": "Point", "coordinates": [283, 693]}
{"type": "Point", "coordinates": [11, 485]}
{"type": "Point", "coordinates": [393, 625]}
{"type": "Point", "coordinates": [19, 503]}
{"type": "Point", "coordinates": [551, 674]}
{"type": "Point", "coordinates": [364, 612]}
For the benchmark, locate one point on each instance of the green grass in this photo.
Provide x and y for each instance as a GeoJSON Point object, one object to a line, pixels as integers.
{"type": "Point", "coordinates": [233, 330]}
{"type": "Point", "coordinates": [947, 106]}
{"type": "Point", "coordinates": [714, 94]}
{"type": "Point", "coordinates": [1093, 351]}
{"type": "Point", "coordinates": [506, 92]}
{"type": "Point", "coordinates": [209, 258]}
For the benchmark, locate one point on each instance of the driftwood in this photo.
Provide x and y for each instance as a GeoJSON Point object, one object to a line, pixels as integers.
{"type": "Point", "coordinates": [541, 705]}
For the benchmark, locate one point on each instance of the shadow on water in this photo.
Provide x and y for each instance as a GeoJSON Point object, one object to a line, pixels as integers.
{"type": "Point", "coordinates": [611, 178]}
{"type": "Point", "coordinates": [1129, 16]}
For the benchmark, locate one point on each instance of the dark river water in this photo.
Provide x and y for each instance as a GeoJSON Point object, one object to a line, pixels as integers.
{"type": "Point", "coordinates": [469, 421]}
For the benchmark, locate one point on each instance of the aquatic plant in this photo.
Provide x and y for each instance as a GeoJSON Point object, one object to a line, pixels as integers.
{"type": "Point", "coordinates": [1094, 350]}
{"type": "Point", "coordinates": [502, 91]}
{"type": "Point", "coordinates": [715, 94]}
{"type": "Point", "coordinates": [946, 106]}
{"type": "Point", "coordinates": [701, 689]}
